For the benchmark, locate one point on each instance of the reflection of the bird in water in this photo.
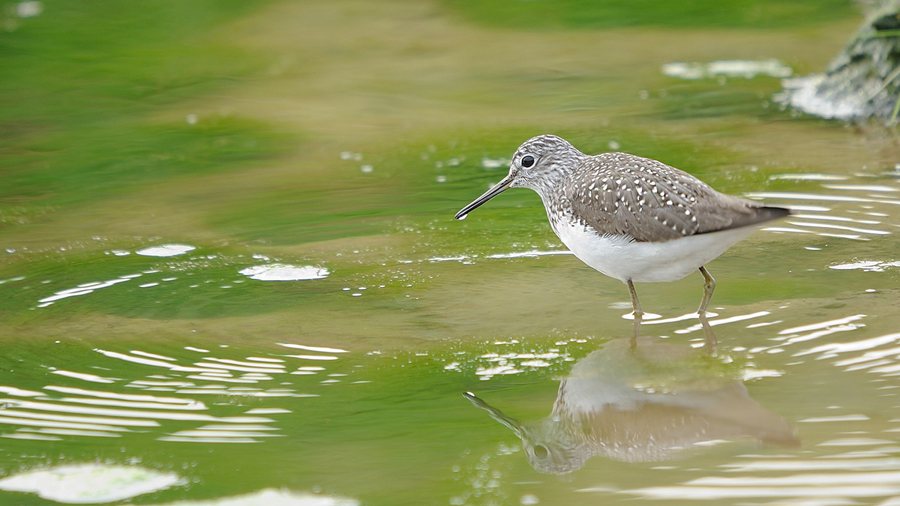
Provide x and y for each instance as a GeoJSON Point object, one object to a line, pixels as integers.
{"type": "Point", "coordinates": [643, 400]}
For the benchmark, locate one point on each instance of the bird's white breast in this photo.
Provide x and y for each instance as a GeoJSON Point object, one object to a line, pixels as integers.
{"type": "Point", "coordinates": [621, 258]}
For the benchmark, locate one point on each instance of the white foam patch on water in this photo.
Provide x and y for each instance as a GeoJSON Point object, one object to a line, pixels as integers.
{"type": "Point", "coordinates": [850, 441]}
{"type": "Point", "coordinates": [822, 197]}
{"type": "Point", "coordinates": [82, 289]}
{"type": "Point", "coordinates": [730, 68]}
{"type": "Point", "coordinates": [460, 258]}
{"type": "Point", "coordinates": [840, 419]}
{"type": "Point", "coordinates": [267, 411]}
{"type": "Point", "coordinates": [534, 363]}
{"type": "Point", "coordinates": [505, 363]}
{"type": "Point", "coordinates": [312, 348]}
{"type": "Point", "coordinates": [722, 321]}
{"type": "Point", "coordinates": [90, 483]}
{"type": "Point", "coordinates": [30, 437]}
{"type": "Point", "coordinates": [750, 374]}
{"type": "Point", "coordinates": [655, 319]}
{"type": "Point", "coordinates": [853, 346]}
{"type": "Point", "coordinates": [284, 272]}
{"type": "Point", "coordinates": [18, 392]}
{"type": "Point", "coordinates": [809, 177]}
{"type": "Point", "coordinates": [271, 497]}
{"type": "Point", "coordinates": [530, 254]}
{"type": "Point", "coordinates": [822, 325]}
{"type": "Point", "coordinates": [867, 266]}
{"type": "Point", "coordinates": [693, 493]}
{"type": "Point", "coordinates": [839, 227]}
{"type": "Point", "coordinates": [862, 187]}
{"type": "Point", "coordinates": [165, 250]}
{"type": "Point", "coordinates": [836, 218]}
{"type": "Point", "coordinates": [93, 378]}
{"type": "Point", "coordinates": [487, 373]}
{"type": "Point", "coordinates": [312, 357]}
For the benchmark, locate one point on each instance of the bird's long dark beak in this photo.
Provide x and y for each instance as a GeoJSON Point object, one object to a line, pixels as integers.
{"type": "Point", "coordinates": [495, 190]}
{"type": "Point", "coordinates": [496, 414]}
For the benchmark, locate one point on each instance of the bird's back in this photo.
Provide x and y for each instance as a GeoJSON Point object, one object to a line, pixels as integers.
{"type": "Point", "coordinates": [625, 195]}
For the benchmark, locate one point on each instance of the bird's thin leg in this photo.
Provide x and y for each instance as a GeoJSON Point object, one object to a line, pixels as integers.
{"type": "Point", "coordinates": [638, 313]}
{"type": "Point", "coordinates": [708, 287]}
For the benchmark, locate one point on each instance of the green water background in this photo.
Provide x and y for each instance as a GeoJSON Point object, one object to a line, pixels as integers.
{"type": "Point", "coordinates": [221, 125]}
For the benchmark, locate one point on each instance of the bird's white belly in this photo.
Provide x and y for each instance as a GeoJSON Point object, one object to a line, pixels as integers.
{"type": "Point", "coordinates": [622, 259]}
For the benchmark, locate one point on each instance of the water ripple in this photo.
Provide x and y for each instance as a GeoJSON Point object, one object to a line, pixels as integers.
{"type": "Point", "coordinates": [74, 411]}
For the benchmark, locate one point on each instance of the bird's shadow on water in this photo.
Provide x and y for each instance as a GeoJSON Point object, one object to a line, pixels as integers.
{"type": "Point", "coordinates": [639, 399]}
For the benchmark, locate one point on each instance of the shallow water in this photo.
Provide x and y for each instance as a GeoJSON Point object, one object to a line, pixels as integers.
{"type": "Point", "coordinates": [233, 276]}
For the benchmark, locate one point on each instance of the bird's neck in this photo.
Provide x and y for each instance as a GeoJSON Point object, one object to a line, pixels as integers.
{"type": "Point", "coordinates": [559, 212]}
{"type": "Point", "coordinates": [554, 176]}
{"type": "Point", "coordinates": [552, 183]}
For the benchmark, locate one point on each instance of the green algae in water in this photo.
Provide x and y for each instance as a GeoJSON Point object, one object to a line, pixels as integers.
{"type": "Point", "coordinates": [99, 111]}
{"type": "Point", "coordinates": [586, 14]}
{"type": "Point", "coordinates": [95, 163]}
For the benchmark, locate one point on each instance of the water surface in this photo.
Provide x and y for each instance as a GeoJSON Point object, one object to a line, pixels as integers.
{"type": "Point", "coordinates": [230, 270]}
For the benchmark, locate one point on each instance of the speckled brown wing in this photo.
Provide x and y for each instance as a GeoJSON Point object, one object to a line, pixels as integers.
{"type": "Point", "coordinates": [622, 194]}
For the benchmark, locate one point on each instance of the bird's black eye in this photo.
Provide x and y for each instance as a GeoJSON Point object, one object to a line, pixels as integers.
{"type": "Point", "coordinates": [541, 452]}
{"type": "Point", "coordinates": [527, 161]}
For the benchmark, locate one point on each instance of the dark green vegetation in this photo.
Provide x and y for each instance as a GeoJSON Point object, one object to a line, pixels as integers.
{"type": "Point", "coordinates": [588, 14]}
{"type": "Point", "coordinates": [80, 88]}
{"type": "Point", "coordinates": [90, 162]}
{"type": "Point", "coordinates": [87, 62]}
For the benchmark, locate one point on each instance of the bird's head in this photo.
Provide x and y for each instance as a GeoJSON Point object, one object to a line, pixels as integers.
{"type": "Point", "coordinates": [540, 163]}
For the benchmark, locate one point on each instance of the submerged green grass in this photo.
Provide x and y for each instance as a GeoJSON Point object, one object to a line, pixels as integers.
{"type": "Point", "coordinates": [90, 60]}
{"type": "Point", "coordinates": [100, 161]}
{"type": "Point", "coordinates": [588, 14]}
{"type": "Point", "coordinates": [80, 89]}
